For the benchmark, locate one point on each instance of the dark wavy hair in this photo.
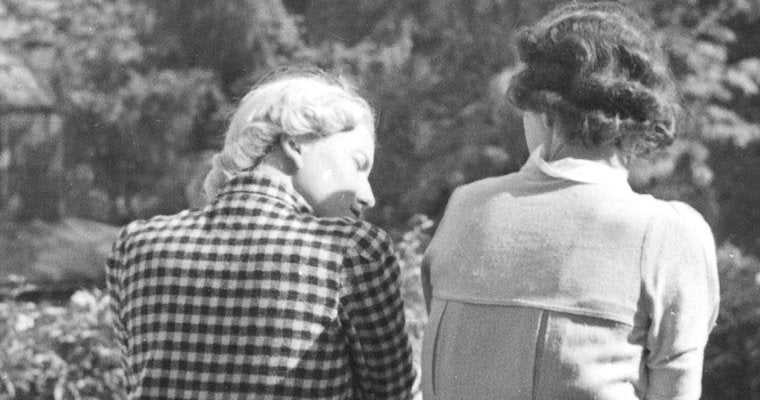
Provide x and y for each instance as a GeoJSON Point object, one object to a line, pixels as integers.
{"type": "Point", "coordinates": [598, 69]}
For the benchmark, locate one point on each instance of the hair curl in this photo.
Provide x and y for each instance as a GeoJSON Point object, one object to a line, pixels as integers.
{"type": "Point", "coordinates": [305, 103]}
{"type": "Point", "coordinates": [598, 69]}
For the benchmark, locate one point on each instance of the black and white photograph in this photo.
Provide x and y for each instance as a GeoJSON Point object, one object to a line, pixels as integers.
{"type": "Point", "coordinates": [380, 199]}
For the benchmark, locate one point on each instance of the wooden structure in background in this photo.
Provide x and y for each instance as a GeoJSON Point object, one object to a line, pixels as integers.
{"type": "Point", "coordinates": [30, 145]}
{"type": "Point", "coordinates": [39, 244]}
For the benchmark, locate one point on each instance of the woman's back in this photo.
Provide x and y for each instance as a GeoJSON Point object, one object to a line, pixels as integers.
{"type": "Point", "coordinates": [523, 240]}
{"type": "Point", "coordinates": [548, 288]}
{"type": "Point", "coordinates": [256, 296]}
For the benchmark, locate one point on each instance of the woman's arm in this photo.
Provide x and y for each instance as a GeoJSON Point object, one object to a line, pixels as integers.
{"type": "Point", "coordinates": [373, 317]}
{"type": "Point", "coordinates": [681, 283]}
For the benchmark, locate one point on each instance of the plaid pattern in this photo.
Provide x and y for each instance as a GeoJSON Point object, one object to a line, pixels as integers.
{"type": "Point", "coordinates": [255, 297]}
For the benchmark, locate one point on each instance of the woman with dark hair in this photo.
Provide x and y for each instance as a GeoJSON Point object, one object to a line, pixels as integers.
{"type": "Point", "coordinates": [275, 290]}
{"type": "Point", "coordinates": [559, 281]}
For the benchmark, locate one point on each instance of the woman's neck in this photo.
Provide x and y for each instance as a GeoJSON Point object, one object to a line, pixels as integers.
{"type": "Point", "coordinates": [541, 130]}
{"type": "Point", "coordinates": [557, 148]}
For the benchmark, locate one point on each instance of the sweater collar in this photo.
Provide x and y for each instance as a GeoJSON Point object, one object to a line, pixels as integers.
{"type": "Point", "coordinates": [267, 185]}
{"type": "Point", "coordinates": [578, 170]}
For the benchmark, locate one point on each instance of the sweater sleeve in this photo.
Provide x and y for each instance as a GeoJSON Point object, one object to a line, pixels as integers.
{"type": "Point", "coordinates": [680, 281]}
{"type": "Point", "coordinates": [373, 317]}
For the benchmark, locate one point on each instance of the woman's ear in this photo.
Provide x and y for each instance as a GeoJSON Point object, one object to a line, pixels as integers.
{"type": "Point", "coordinates": [293, 150]}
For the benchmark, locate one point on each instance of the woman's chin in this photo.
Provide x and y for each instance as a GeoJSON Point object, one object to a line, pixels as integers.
{"type": "Point", "coordinates": [337, 212]}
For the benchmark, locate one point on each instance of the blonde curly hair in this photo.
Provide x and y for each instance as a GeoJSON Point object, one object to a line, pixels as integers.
{"type": "Point", "coordinates": [299, 103]}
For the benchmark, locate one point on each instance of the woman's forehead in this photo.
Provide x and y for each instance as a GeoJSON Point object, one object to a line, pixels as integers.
{"type": "Point", "coordinates": [361, 138]}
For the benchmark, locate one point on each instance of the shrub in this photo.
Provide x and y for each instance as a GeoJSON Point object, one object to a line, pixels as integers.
{"type": "Point", "coordinates": [732, 358]}
{"type": "Point", "coordinates": [411, 246]}
{"type": "Point", "coordinates": [59, 352]}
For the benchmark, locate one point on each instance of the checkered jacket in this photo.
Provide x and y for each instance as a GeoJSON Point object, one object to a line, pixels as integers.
{"type": "Point", "coordinates": [255, 297]}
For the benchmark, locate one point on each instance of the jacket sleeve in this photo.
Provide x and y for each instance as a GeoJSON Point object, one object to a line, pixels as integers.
{"type": "Point", "coordinates": [680, 280]}
{"type": "Point", "coordinates": [372, 314]}
{"type": "Point", "coordinates": [114, 273]}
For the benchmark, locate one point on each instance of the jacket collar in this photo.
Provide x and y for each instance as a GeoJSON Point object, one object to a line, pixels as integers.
{"type": "Point", "coordinates": [578, 170]}
{"type": "Point", "coordinates": [264, 184]}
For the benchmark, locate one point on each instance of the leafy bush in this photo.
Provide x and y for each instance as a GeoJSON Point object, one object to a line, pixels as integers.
{"type": "Point", "coordinates": [732, 358]}
{"type": "Point", "coordinates": [411, 246]}
{"type": "Point", "coordinates": [59, 352]}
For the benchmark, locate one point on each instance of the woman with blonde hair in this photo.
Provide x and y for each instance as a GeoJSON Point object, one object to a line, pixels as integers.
{"type": "Point", "coordinates": [275, 289]}
{"type": "Point", "coordinates": [559, 281]}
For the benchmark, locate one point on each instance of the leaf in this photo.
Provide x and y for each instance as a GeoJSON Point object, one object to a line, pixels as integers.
{"type": "Point", "coordinates": [742, 81]}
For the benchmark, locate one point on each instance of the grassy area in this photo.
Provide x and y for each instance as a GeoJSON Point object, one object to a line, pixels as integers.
{"type": "Point", "coordinates": [55, 256]}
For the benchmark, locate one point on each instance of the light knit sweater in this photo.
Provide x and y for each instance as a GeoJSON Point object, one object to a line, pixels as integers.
{"type": "Point", "coordinates": [549, 288]}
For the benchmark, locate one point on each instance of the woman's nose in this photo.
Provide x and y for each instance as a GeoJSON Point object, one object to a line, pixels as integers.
{"type": "Point", "coordinates": [365, 197]}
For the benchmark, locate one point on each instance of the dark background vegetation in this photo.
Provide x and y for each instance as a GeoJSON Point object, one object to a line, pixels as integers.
{"type": "Point", "coordinates": [143, 90]}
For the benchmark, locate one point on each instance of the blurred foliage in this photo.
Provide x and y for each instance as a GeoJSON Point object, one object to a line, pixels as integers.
{"type": "Point", "coordinates": [197, 34]}
{"type": "Point", "coordinates": [713, 166]}
{"type": "Point", "coordinates": [145, 87]}
{"type": "Point", "coordinates": [59, 352]}
{"type": "Point", "coordinates": [131, 127]}
{"type": "Point", "coordinates": [732, 358]}
{"type": "Point", "coordinates": [130, 152]}
{"type": "Point", "coordinates": [411, 245]}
